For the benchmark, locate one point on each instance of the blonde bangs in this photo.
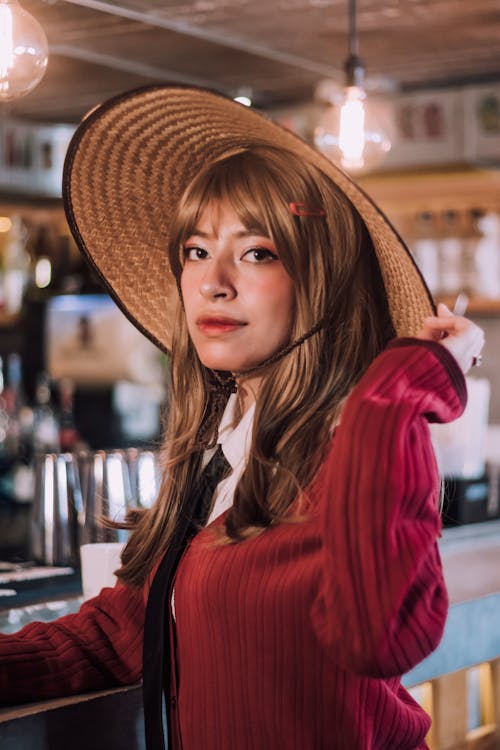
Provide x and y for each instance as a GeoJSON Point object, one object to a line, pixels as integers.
{"type": "Point", "coordinates": [259, 196]}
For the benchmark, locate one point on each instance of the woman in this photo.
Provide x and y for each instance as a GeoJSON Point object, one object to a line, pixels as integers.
{"type": "Point", "coordinates": [303, 341]}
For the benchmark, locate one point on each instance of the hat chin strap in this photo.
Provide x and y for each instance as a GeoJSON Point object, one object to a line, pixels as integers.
{"type": "Point", "coordinates": [281, 352]}
{"type": "Point", "coordinates": [224, 383]}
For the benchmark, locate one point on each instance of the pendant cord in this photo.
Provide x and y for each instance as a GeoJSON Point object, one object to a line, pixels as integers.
{"type": "Point", "coordinates": [353, 34]}
{"type": "Point", "coordinates": [353, 65]}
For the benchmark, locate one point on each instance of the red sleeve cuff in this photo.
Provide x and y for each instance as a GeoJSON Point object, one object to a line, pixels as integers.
{"type": "Point", "coordinates": [445, 357]}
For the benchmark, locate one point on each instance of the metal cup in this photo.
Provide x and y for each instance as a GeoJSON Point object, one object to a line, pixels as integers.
{"type": "Point", "coordinates": [107, 495]}
{"type": "Point", "coordinates": [144, 475]}
{"type": "Point", "coordinates": [57, 510]}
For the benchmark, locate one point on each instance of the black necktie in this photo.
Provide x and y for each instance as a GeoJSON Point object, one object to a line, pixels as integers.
{"type": "Point", "coordinates": [156, 648]}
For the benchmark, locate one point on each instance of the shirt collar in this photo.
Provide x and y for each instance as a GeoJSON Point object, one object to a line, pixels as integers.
{"type": "Point", "coordinates": [236, 441]}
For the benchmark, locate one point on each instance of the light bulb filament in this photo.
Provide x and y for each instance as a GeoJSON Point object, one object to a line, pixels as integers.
{"type": "Point", "coordinates": [352, 128]}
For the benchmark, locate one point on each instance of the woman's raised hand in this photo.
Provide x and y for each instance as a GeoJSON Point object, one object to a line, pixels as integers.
{"type": "Point", "coordinates": [459, 335]}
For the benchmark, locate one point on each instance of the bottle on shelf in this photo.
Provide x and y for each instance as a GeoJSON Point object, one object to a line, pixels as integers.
{"type": "Point", "coordinates": [21, 415]}
{"type": "Point", "coordinates": [68, 434]}
{"type": "Point", "coordinates": [487, 257]}
{"type": "Point", "coordinates": [16, 267]}
{"type": "Point", "coordinates": [4, 419]}
{"type": "Point", "coordinates": [12, 395]}
{"type": "Point", "coordinates": [450, 253]}
{"type": "Point", "coordinates": [17, 425]}
{"type": "Point", "coordinates": [471, 241]}
{"type": "Point", "coordinates": [425, 248]}
{"type": "Point", "coordinates": [45, 424]}
{"type": "Point", "coordinates": [5, 459]}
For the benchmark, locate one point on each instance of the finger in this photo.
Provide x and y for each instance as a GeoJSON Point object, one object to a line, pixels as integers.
{"type": "Point", "coordinates": [427, 332]}
{"type": "Point", "coordinates": [448, 323]}
{"type": "Point", "coordinates": [444, 310]}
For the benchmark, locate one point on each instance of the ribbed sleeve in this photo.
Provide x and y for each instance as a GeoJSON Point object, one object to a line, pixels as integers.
{"type": "Point", "coordinates": [98, 647]}
{"type": "Point", "coordinates": [382, 602]}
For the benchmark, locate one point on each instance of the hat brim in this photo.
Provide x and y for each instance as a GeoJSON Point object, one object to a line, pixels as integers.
{"type": "Point", "coordinates": [127, 166]}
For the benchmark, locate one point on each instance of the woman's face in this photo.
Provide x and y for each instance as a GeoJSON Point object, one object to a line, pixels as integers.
{"type": "Point", "coordinates": [238, 298]}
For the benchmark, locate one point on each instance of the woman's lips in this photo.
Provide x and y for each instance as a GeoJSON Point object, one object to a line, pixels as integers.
{"type": "Point", "coordinates": [218, 325]}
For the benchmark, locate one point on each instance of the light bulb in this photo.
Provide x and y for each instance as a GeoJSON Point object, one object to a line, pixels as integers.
{"type": "Point", "coordinates": [244, 95]}
{"type": "Point", "coordinates": [243, 100]}
{"type": "Point", "coordinates": [352, 128]}
{"type": "Point", "coordinates": [355, 133]}
{"type": "Point", "coordinates": [23, 51]}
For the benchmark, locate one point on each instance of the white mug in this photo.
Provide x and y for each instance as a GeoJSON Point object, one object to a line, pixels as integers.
{"type": "Point", "coordinates": [99, 561]}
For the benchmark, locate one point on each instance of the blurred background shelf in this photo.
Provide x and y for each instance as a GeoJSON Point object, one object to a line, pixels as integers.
{"type": "Point", "coordinates": [477, 305]}
{"type": "Point", "coordinates": [459, 188]}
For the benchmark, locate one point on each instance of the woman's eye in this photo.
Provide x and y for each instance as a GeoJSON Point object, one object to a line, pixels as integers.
{"type": "Point", "coordinates": [195, 253]}
{"type": "Point", "coordinates": [260, 255]}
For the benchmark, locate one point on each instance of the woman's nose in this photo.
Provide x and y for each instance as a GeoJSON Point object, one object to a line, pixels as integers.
{"type": "Point", "coordinates": [217, 281]}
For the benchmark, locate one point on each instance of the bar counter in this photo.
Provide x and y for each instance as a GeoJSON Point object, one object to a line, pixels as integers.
{"type": "Point", "coordinates": [112, 719]}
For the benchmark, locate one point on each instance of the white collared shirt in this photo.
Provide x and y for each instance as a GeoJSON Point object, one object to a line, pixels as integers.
{"type": "Point", "coordinates": [235, 443]}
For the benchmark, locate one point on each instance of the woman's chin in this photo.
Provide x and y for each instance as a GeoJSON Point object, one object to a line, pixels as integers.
{"type": "Point", "coordinates": [231, 360]}
{"type": "Point", "coordinates": [223, 364]}
{"type": "Point", "coordinates": [226, 361]}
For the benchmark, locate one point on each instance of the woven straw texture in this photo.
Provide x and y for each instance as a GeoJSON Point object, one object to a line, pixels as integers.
{"type": "Point", "coordinates": [127, 166]}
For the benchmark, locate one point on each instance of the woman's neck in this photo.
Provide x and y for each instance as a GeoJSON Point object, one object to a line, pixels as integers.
{"type": "Point", "coordinates": [247, 393]}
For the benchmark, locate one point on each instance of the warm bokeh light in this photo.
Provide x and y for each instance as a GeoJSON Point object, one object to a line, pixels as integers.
{"type": "Point", "coordinates": [5, 224]}
{"type": "Point", "coordinates": [243, 100]}
{"type": "Point", "coordinates": [43, 273]}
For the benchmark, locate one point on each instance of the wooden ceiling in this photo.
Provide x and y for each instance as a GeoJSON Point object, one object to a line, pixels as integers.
{"type": "Point", "coordinates": [280, 49]}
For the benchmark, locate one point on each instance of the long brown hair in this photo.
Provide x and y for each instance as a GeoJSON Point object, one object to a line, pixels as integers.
{"type": "Point", "coordinates": [337, 281]}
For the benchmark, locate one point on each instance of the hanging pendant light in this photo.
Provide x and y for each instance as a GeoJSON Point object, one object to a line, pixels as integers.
{"type": "Point", "coordinates": [23, 51]}
{"type": "Point", "coordinates": [352, 132]}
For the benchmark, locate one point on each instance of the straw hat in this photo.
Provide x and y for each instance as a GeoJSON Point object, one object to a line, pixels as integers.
{"type": "Point", "coordinates": [130, 161]}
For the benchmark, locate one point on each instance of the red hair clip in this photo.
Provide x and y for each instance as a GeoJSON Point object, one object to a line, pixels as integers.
{"type": "Point", "coordinates": [302, 209]}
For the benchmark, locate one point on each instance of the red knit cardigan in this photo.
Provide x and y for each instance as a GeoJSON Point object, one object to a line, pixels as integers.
{"type": "Point", "coordinates": [296, 639]}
